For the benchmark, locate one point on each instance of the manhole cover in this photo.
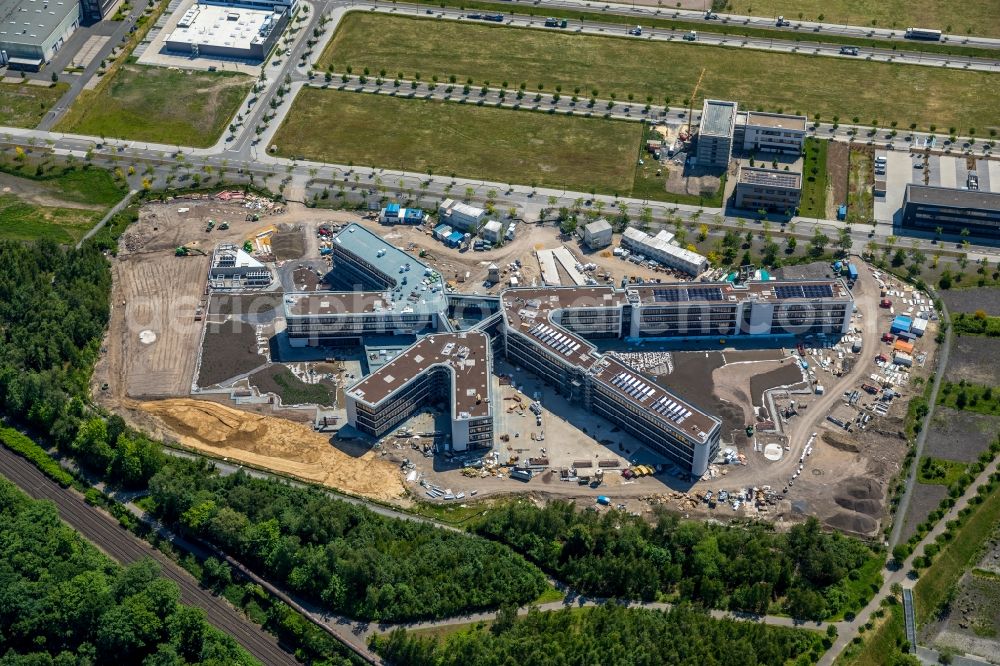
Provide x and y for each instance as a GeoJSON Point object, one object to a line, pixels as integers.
{"type": "Point", "coordinates": [817, 472]}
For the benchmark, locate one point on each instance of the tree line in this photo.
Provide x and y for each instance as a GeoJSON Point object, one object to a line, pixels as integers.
{"type": "Point", "coordinates": [344, 556]}
{"type": "Point", "coordinates": [607, 634]}
{"type": "Point", "coordinates": [63, 602]}
{"type": "Point", "coordinates": [805, 572]}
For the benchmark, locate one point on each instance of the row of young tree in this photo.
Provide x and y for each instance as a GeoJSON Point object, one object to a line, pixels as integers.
{"type": "Point", "coordinates": [608, 634]}
{"type": "Point", "coordinates": [751, 568]}
{"type": "Point", "coordinates": [344, 556]}
{"type": "Point", "coordinates": [64, 602]}
{"type": "Point", "coordinates": [54, 305]}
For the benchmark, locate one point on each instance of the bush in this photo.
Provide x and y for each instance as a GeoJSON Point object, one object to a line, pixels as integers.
{"type": "Point", "coordinates": [26, 448]}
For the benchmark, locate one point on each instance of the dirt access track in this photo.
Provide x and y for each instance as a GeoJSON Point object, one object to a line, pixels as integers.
{"type": "Point", "coordinates": [270, 443]}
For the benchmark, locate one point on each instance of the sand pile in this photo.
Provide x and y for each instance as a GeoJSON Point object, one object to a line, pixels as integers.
{"type": "Point", "coordinates": [862, 499]}
{"type": "Point", "coordinates": [274, 443]}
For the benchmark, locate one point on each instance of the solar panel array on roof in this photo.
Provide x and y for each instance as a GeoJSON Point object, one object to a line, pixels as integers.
{"type": "Point", "coordinates": [671, 410]}
{"type": "Point", "coordinates": [679, 294]}
{"type": "Point", "coordinates": [556, 339]}
{"type": "Point", "coordinates": [803, 291]}
{"type": "Point", "coordinates": [633, 386]}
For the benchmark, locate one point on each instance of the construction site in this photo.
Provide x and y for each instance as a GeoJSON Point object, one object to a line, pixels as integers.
{"type": "Point", "coordinates": [198, 352]}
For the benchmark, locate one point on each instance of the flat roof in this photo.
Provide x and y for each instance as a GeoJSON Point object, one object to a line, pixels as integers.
{"type": "Point", "coordinates": [952, 197]}
{"type": "Point", "coordinates": [32, 21]}
{"type": "Point", "coordinates": [598, 226]}
{"type": "Point", "coordinates": [223, 26]}
{"type": "Point", "coordinates": [528, 310]}
{"type": "Point", "coordinates": [675, 413]}
{"type": "Point", "coordinates": [467, 357]}
{"type": "Point", "coordinates": [717, 118]}
{"type": "Point", "coordinates": [770, 177]}
{"type": "Point", "coordinates": [720, 293]}
{"type": "Point", "coordinates": [776, 120]}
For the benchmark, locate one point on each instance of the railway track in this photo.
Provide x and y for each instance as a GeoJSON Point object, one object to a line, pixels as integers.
{"type": "Point", "coordinates": [103, 531]}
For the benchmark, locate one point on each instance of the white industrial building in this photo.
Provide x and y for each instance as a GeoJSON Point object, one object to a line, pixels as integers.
{"type": "Point", "coordinates": [227, 31]}
{"type": "Point", "coordinates": [461, 216]}
{"type": "Point", "coordinates": [233, 268]}
{"type": "Point", "coordinates": [661, 249]}
{"type": "Point", "coordinates": [715, 133]}
{"type": "Point", "coordinates": [491, 232]}
{"type": "Point", "coordinates": [597, 234]}
{"type": "Point", "coordinates": [31, 31]}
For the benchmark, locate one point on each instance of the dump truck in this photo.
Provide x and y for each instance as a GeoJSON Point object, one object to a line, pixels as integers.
{"type": "Point", "coordinates": [602, 499]}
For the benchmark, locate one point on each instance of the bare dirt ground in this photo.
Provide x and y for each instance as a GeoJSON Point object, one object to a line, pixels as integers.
{"type": "Point", "coordinates": [960, 435]}
{"type": "Point", "coordinates": [692, 180]}
{"type": "Point", "coordinates": [228, 350]}
{"type": "Point", "coordinates": [273, 443]}
{"type": "Point", "coordinates": [925, 498]}
{"type": "Point", "coordinates": [973, 359]}
{"type": "Point", "coordinates": [970, 300]}
{"type": "Point", "coordinates": [837, 168]}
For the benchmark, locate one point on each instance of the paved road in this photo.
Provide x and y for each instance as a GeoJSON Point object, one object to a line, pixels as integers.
{"type": "Point", "coordinates": [911, 477]}
{"type": "Point", "coordinates": [104, 532]}
{"type": "Point", "coordinates": [769, 22]}
{"type": "Point", "coordinates": [780, 41]}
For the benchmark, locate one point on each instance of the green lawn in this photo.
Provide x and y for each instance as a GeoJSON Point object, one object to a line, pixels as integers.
{"type": "Point", "coordinates": [466, 140]}
{"type": "Point", "coordinates": [956, 557]}
{"type": "Point", "coordinates": [815, 178]}
{"type": "Point", "coordinates": [878, 644]}
{"type": "Point", "coordinates": [970, 397]}
{"type": "Point", "coordinates": [756, 79]}
{"type": "Point", "coordinates": [938, 471]}
{"type": "Point", "coordinates": [158, 104]}
{"type": "Point", "coordinates": [61, 206]}
{"type": "Point", "coordinates": [975, 18]}
{"type": "Point", "coordinates": [22, 105]}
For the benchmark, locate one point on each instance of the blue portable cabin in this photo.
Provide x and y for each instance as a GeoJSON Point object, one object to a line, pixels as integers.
{"type": "Point", "coordinates": [900, 324]}
{"type": "Point", "coordinates": [842, 212]}
{"type": "Point", "coordinates": [838, 267]}
{"type": "Point", "coordinates": [442, 231]}
{"type": "Point", "coordinates": [852, 272]}
{"type": "Point", "coordinates": [454, 239]}
{"type": "Point", "coordinates": [413, 216]}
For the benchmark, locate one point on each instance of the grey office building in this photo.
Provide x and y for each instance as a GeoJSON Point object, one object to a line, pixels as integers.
{"type": "Point", "coordinates": [926, 207]}
{"type": "Point", "coordinates": [715, 133]}
{"type": "Point", "coordinates": [31, 31]}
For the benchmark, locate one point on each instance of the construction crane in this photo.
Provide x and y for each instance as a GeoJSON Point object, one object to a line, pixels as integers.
{"type": "Point", "coordinates": [694, 93]}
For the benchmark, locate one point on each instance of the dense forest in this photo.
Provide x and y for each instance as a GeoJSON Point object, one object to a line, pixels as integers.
{"type": "Point", "coordinates": [608, 634]}
{"type": "Point", "coordinates": [350, 559]}
{"type": "Point", "coordinates": [63, 602]}
{"type": "Point", "coordinates": [747, 568]}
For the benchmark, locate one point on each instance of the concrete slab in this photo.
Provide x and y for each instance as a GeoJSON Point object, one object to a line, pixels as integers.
{"type": "Point", "coordinates": [898, 172]}
{"type": "Point", "coordinates": [89, 50]}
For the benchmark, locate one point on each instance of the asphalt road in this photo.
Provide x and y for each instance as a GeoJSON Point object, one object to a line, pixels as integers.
{"type": "Point", "coordinates": [103, 531]}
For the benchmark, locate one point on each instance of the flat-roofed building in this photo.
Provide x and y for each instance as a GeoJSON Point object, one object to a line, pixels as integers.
{"type": "Point", "coordinates": [597, 234]}
{"type": "Point", "coordinates": [227, 31]}
{"type": "Point", "coordinates": [461, 215]}
{"type": "Point", "coordinates": [233, 268]}
{"type": "Point", "coordinates": [447, 367]}
{"type": "Point", "coordinates": [31, 31]}
{"type": "Point", "coordinates": [726, 309]}
{"type": "Point", "coordinates": [715, 133]}
{"type": "Point", "coordinates": [768, 189]}
{"type": "Point", "coordinates": [395, 214]}
{"type": "Point", "coordinates": [926, 207]}
{"type": "Point", "coordinates": [377, 289]}
{"type": "Point", "coordinates": [661, 249]}
{"type": "Point", "coordinates": [774, 132]}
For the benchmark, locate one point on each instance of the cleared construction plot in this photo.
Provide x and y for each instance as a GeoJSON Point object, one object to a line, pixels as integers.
{"type": "Point", "coordinates": [23, 105]}
{"type": "Point", "coordinates": [178, 107]}
{"type": "Point", "coordinates": [756, 79]}
{"type": "Point", "coordinates": [417, 135]}
{"type": "Point", "coordinates": [973, 18]}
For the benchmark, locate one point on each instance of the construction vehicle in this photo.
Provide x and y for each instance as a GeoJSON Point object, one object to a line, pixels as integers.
{"type": "Point", "coordinates": [253, 217]}
{"type": "Point", "coordinates": [185, 251]}
{"type": "Point", "coordinates": [211, 225]}
{"type": "Point", "coordinates": [694, 93]}
{"type": "Point", "coordinates": [248, 247]}
{"type": "Point", "coordinates": [750, 430]}
{"type": "Point", "coordinates": [223, 226]}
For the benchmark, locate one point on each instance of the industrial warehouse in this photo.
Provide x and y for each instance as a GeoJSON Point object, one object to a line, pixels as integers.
{"type": "Point", "coordinates": [546, 330]}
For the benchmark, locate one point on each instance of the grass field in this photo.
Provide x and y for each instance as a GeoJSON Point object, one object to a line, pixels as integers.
{"type": "Point", "coordinates": [860, 184]}
{"type": "Point", "coordinates": [940, 471]}
{"type": "Point", "coordinates": [815, 179]}
{"type": "Point", "coordinates": [465, 140]}
{"type": "Point", "coordinates": [974, 18]}
{"type": "Point", "coordinates": [61, 207]}
{"type": "Point", "coordinates": [661, 70]}
{"type": "Point", "coordinates": [22, 105]}
{"type": "Point", "coordinates": [878, 644]}
{"type": "Point", "coordinates": [957, 557]}
{"type": "Point", "coordinates": [161, 105]}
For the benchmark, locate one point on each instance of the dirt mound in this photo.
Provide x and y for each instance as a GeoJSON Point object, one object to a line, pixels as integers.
{"type": "Point", "coordinates": [869, 507]}
{"type": "Point", "coordinates": [273, 443]}
{"type": "Point", "coordinates": [860, 488]}
{"type": "Point", "coordinates": [840, 443]}
{"type": "Point", "coordinates": [856, 523]}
